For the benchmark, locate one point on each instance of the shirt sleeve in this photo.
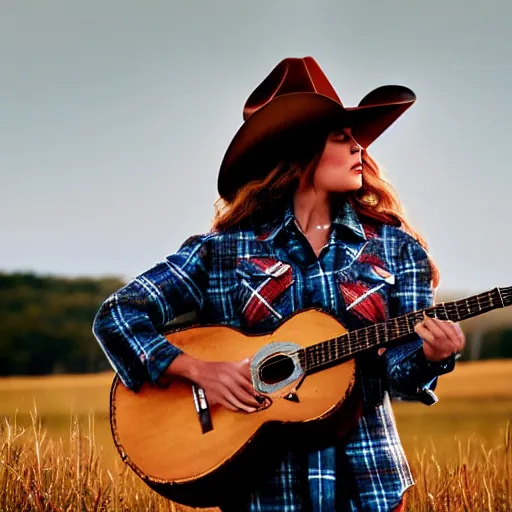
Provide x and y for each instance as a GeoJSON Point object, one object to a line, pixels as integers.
{"type": "Point", "coordinates": [411, 376]}
{"type": "Point", "coordinates": [128, 324]}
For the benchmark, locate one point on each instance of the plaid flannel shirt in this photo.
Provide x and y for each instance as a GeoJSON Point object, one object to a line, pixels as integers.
{"type": "Point", "coordinates": [254, 278]}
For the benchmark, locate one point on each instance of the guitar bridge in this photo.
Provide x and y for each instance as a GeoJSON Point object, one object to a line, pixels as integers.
{"type": "Point", "coordinates": [202, 408]}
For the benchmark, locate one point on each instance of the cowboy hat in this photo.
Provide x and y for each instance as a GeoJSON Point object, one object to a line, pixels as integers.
{"type": "Point", "coordinates": [297, 93]}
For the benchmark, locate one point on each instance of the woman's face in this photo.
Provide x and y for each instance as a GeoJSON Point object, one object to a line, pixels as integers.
{"type": "Point", "coordinates": [340, 166]}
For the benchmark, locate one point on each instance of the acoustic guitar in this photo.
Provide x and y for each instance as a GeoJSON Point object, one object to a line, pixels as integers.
{"type": "Point", "coordinates": [194, 454]}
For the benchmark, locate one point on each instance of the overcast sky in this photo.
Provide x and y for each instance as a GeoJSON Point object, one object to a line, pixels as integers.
{"type": "Point", "coordinates": [115, 116]}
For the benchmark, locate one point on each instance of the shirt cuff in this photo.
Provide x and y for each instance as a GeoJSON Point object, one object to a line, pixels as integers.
{"type": "Point", "coordinates": [160, 359]}
{"type": "Point", "coordinates": [422, 375]}
{"type": "Point", "coordinates": [433, 368]}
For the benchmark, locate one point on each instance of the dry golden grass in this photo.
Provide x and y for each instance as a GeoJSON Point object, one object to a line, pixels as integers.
{"type": "Point", "coordinates": [38, 473]}
{"type": "Point", "coordinates": [460, 450]}
{"type": "Point", "coordinates": [56, 394]}
{"type": "Point", "coordinates": [482, 379]}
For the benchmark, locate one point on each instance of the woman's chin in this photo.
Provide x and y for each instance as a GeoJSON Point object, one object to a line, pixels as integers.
{"type": "Point", "coordinates": [347, 187]}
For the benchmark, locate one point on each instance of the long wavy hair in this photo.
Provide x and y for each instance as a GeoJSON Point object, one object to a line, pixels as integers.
{"type": "Point", "coordinates": [262, 199]}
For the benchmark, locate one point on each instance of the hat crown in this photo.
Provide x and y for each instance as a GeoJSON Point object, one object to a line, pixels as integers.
{"type": "Point", "coordinates": [291, 75]}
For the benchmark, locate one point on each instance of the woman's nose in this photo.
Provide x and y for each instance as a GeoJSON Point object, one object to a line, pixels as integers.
{"type": "Point", "coordinates": [356, 148]}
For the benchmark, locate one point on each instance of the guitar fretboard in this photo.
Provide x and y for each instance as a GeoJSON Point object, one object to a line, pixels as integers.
{"type": "Point", "coordinates": [343, 347]}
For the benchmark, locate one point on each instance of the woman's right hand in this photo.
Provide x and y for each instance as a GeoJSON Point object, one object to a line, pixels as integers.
{"type": "Point", "coordinates": [226, 383]}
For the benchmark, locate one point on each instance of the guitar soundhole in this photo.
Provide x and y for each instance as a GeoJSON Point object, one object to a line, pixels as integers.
{"type": "Point", "coordinates": [276, 369]}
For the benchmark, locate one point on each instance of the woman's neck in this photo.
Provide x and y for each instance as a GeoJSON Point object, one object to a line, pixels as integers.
{"type": "Point", "coordinates": [312, 209]}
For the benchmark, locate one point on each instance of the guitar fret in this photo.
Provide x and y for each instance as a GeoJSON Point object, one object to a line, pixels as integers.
{"type": "Point", "coordinates": [387, 331]}
{"type": "Point", "coordinates": [302, 359]}
{"type": "Point", "coordinates": [369, 333]}
{"type": "Point", "coordinates": [409, 325]}
{"type": "Point", "coordinates": [342, 349]}
{"type": "Point", "coordinates": [337, 350]}
{"type": "Point", "coordinates": [379, 333]}
{"type": "Point", "coordinates": [500, 296]}
{"type": "Point", "coordinates": [406, 324]}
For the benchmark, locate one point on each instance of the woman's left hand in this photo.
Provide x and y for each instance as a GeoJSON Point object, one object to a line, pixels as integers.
{"type": "Point", "coordinates": [441, 338]}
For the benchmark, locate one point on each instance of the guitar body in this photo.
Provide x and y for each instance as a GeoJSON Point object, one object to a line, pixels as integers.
{"type": "Point", "coordinates": [158, 433]}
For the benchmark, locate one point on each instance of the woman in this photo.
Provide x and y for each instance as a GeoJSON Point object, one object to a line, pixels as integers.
{"type": "Point", "coordinates": [305, 220]}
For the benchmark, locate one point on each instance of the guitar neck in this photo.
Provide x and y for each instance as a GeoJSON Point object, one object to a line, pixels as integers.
{"type": "Point", "coordinates": [343, 347]}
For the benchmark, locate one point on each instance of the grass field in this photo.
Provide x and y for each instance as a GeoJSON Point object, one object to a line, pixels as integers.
{"type": "Point", "coordinates": [459, 449]}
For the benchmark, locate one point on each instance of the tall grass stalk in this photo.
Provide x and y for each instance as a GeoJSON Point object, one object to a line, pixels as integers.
{"type": "Point", "coordinates": [41, 474]}
{"type": "Point", "coordinates": [478, 479]}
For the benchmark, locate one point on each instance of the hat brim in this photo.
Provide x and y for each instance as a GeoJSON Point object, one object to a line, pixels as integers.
{"type": "Point", "coordinates": [375, 113]}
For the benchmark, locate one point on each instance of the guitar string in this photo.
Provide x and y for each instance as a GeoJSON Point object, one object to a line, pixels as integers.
{"type": "Point", "coordinates": [372, 339]}
{"type": "Point", "coordinates": [374, 336]}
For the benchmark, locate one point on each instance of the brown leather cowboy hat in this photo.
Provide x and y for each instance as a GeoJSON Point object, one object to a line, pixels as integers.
{"type": "Point", "coordinates": [295, 93]}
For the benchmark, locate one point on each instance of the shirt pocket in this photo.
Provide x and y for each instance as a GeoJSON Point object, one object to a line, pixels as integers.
{"type": "Point", "coordinates": [365, 289]}
{"type": "Point", "coordinates": [265, 292]}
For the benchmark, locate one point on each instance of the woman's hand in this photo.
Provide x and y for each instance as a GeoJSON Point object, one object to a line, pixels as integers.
{"type": "Point", "coordinates": [225, 383]}
{"type": "Point", "coordinates": [441, 338]}
{"type": "Point", "coordinates": [229, 384]}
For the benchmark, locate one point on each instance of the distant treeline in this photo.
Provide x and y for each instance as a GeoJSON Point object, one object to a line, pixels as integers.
{"type": "Point", "coordinates": [45, 326]}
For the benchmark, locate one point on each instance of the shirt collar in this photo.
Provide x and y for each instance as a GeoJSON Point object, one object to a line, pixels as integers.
{"type": "Point", "coordinates": [347, 217]}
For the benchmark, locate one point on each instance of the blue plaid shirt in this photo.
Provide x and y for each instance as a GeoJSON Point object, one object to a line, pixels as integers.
{"type": "Point", "coordinates": [254, 278]}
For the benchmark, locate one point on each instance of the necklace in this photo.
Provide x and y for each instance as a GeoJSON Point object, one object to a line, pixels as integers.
{"type": "Point", "coordinates": [323, 226]}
